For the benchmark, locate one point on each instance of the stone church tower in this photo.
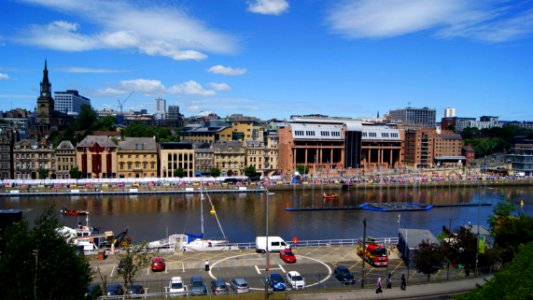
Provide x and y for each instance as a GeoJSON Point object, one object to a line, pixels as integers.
{"type": "Point", "coordinates": [45, 102]}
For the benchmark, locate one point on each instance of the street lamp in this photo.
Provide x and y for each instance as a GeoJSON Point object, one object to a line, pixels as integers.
{"type": "Point", "coordinates": [267, 244]}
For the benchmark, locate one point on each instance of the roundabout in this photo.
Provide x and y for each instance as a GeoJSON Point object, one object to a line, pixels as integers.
{"type": "Point", "coordinates": [253, 265]}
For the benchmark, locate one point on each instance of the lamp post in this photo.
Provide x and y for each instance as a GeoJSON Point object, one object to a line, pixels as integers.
{"type": "Point", "coordinates": [267, 263]}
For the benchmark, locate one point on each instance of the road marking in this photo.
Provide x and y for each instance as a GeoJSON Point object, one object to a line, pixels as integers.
{"type": "Point", "coordinates": [282, 268]}
{"type": "Point", "coordinates": [183, 266]}
{"type": "Point", "coordinates": [112, 270]}
{"type": "Point", "coordinates": [257, 270]}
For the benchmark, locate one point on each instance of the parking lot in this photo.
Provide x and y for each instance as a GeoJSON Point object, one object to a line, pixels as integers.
{"type": "Point", "coordinates": [315, 264]}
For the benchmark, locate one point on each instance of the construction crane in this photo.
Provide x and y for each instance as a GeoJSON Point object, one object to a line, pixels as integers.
{"type": "Point", "coordinates": [121, 103]}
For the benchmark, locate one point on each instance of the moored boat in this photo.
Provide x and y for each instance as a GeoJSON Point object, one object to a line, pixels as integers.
{"type": "Point", "coordinates": [73, 212]}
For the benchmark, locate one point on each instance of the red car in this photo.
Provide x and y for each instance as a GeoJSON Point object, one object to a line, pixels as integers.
{"type": "Point", "coordinates": [158, 264]}
{"type": "Point", "coordinates": [287, 256]}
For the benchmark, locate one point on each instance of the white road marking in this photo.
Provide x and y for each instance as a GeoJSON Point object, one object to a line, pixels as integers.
{"type": "Point", "coordinates": [257, 270]}
{"type": "Point", "coordinates": [281, 268]}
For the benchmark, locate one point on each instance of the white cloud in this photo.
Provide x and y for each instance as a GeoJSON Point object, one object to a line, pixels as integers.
{"type": "Point", "coordinates": [110, 92]}
{"type": "Point", "coordinates": [220, 69]}
{"type": "Point", "coordinates": [268, 7]}
{"type": "Point", "coordinates": [4, 76]}
{"type": "Point", "coordinates": [220, 87]}
{"type": "Point", "coordinates": [491, 21]}
{"type": "Point", "coordinates": [191, 87]}
{"type": "Point", "coordinates": [150, 28]}
{"type": "Point", "coordinates": [88, 70]}
{"type": "Point", "coordinates": [143, 86]}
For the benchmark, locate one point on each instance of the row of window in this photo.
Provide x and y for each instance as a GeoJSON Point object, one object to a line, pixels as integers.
{"type": "Point", "coordinates": [383, 134]}
{"type": "Point", "coordinates": [313, 133]}
{"type": "Point", "coordinates": [137, 165]}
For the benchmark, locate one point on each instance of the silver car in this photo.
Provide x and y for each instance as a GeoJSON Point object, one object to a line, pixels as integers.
{"type": "Point", "coordinates": [239, 285]}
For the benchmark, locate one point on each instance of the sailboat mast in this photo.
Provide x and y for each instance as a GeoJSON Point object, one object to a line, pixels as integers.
{"type": "Point", "coordinates": [201, 210]}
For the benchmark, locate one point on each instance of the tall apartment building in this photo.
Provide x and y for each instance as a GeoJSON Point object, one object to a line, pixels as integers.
{"type": "Point", "coordinates": [522, 155]}
{"type": "Point", "coordinates": [160, 109]}
{"type": "Point", "coordinates": [69, 102]}
{"type": "Point", "coordinates": [449, 112]}
{"type": "Point", "coordinates": [416, 117]}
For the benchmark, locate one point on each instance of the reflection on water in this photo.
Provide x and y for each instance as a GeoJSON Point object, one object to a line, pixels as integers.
{"type": "Point", "coordinates": [151, 217]}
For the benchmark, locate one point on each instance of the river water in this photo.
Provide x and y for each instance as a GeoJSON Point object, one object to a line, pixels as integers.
{"type": "Point", "coordinates": [242, 216]}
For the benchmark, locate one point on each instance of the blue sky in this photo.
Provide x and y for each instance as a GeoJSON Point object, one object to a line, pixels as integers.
{"type": "Point", "coordinates": [274, 58]}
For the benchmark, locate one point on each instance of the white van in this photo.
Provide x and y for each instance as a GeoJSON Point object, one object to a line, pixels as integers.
{"type": "Point", "coordinates": [275, 244]}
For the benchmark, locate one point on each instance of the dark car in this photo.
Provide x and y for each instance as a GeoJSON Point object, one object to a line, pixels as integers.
{"type": "Point", "coordinates": [135, 289]}
{"type": "Point", "coordinates": [276, 282]}
{"type": "Point", "coordinates": [197, 286]}
{"type": "Point", "coordinates": [114, 289]}
{"type": "Point", "coordinates": [158, 264]}
{"type": "Point", "coordinates": [94, 291]}
{"type": "Point", "coordinates": [218, 286]}
{"type": "Point", "coordinates": [344, 275]}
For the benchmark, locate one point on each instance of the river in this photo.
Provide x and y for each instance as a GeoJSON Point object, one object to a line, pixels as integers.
{"type": "Point", "coordinates": [152, 217]}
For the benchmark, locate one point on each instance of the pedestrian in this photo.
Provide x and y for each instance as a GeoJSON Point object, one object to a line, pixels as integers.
{"type": "Point", "coordinates": [378, 286]}
{"type": "Point", "coordinates": [206, 265]}
{"type": "Point", "coordinates": [389, 281]}
{"type": "Point", "coordinates": [403, 283]}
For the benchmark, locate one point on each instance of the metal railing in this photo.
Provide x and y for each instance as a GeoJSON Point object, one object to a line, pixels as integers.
{"type": "Point", "coordinates": [387, 241]}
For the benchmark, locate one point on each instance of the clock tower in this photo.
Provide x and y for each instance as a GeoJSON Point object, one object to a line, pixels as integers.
{"type": "Point", "coordinates": [45, 102]}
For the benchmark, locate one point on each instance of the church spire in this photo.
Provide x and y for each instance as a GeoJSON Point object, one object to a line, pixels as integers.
{"type": "Point", "coordinates": [45, 84]}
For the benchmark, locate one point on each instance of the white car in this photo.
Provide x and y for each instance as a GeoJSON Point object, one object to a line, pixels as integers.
{"type": "Point", "coordinates": [176, 286]}
{"type": "Point", "coordinates": [295, 280]}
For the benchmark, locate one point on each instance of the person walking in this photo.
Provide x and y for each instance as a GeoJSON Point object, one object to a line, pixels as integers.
{"type": "Point", "coordinates": [206, 265]}
{"type": "Point", "coordinates": [403, 283]}
{"type": "Point", "coordinates": [389, 281]}
{"type": "Point", "coordinates": [378, 286]}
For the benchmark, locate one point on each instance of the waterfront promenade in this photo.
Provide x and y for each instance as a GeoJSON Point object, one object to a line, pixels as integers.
{"type": "Point", "coordinates": [192, 185]}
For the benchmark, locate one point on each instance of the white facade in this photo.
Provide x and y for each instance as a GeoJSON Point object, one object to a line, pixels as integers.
{"type": "Point", "coordinates": [449, 112]}
{"type": "Point", "coordinates": [160, 108]}
{"type": "Point", "coordinates": [69, 102]}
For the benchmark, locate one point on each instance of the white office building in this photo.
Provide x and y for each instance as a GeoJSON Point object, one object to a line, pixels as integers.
{"type": "Point", "coordinates": [69, 102]}
{"type": "Point", "coordinates": [160, 109]}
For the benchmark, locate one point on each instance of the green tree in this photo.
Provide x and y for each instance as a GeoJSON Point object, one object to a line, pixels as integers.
{"type": "Point", "coordinates": [250, 171]}
{"type": "Point", "coordinates": [138, 129]}
{"type": "Point", "coordinates": [515, 281]}
{"type": "Point", "coordinates": [86, 119]}
{"type": "Point", "coordinates": [75, 173]}
{"type": "Point", "coordinates": [107, 123]}
{"type": "Point", "coordinates": [302, 169]}
{"type": "Point", "coordinates": [214, 172]}
{"type": "Point", "coordinates": [43, 173]}
{"type": "Point", "coordinates": [511, 233]}
{"type": "Point", "coordinates": [179, 172]}
{"type": "Point", "coordinates": [428, 258]}
{"type": "Point", "coordinates": [37, 263]}
{"type": "Point", "coordinates": [501, 211]}
{"type": "Point", "coordinates": [135, 258]}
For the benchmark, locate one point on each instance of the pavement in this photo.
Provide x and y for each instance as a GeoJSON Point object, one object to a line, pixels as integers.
{"type": "Point", "coordinates": [421, 291]}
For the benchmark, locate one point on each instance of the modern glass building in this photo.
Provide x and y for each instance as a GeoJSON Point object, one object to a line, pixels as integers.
{"type": "Point", "coordinates": [522, 156]}
{"type": "Point", "coordinates": [424, 117]}
{"type": "Point", "coordinates": [69, 102]}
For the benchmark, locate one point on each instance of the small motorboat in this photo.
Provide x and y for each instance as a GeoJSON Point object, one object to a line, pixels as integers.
{"type": "Point", "coordinates": [73, 212]}
{"type": "Point", "coordinates": [331, 196]}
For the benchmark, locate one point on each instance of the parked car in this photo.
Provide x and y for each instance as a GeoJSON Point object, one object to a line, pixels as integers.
{"type": "Point", "coordinates": [93, 291]}
{"type": "Point", "coordinates": [295, 280]}
{"type": "Point", "coordinates": [218, 286]}
{"type": "Point", "coordinates": [240, 285]}
{"type": "Point", "coordinates": [158, 264]}
{"type": "Point", "coordinates": [344, 275]}
{"type": "Point", "coordinates": [176, 286]}
{"type": "Point", "coordinates": [114, 289]}
{"type": "Point", "coordinates": [287, 256]}
{"type": "Point", "coordinates": [276, 282]}
{"type": "Point", "coordinates": [135, 289]}
{"type": "Point", "coordinates": [197, 286]}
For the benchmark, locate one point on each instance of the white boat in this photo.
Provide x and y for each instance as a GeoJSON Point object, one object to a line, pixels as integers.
{"type": "Point", "coordinates": [190, 242]}
{"type": "Point", "coordinates": [83, 236]}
